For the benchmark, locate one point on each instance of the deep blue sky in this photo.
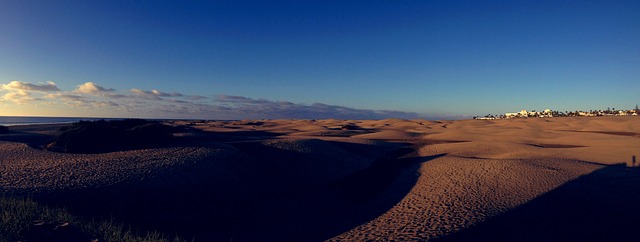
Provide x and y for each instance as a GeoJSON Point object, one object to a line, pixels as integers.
{"type": "Point", "coordinates": [426, 57]}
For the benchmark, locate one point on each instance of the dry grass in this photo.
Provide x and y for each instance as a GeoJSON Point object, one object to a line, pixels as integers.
{"type": "Point", "coordinates": [23, 218]}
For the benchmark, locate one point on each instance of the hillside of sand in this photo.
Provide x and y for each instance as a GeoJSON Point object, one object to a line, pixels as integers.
{"type": "Point", "coordinates": [351, 180]}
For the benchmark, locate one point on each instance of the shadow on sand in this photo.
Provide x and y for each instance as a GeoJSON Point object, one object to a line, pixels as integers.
{"type": "Point", "coordinates": [33, 140]}
{"type": "Point", "coordinates": [191, 208]}
{"type": "Point", "coordinates": [601, 206]}
{"type": "Point", "coordinates": [323, 212]}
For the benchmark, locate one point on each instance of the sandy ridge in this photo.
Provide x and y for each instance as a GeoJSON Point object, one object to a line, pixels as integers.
{"type": "Point", "coordinates": [25, 169]}
{"type": "Point", "coordinates": [469, 171]}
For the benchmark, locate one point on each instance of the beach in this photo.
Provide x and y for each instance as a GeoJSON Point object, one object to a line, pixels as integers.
{"type": "Point", "coordinates": [524, 179]}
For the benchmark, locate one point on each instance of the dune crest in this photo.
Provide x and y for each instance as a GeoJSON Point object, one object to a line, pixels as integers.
{"type": "Point", "coordinates": [337, 180]}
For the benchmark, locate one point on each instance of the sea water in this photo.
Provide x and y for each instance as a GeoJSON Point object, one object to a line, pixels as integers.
{"type": "Point", "coordinates": [14, 120]}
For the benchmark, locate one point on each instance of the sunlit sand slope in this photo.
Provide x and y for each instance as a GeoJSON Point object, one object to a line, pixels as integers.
{"type": "Point", "coordinates": [504, 164]}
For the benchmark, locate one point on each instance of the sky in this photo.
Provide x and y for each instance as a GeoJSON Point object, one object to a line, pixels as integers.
{"type": "Point", "coordinates": [315, 59]}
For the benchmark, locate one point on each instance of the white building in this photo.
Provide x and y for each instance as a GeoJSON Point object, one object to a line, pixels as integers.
{"type": "Point", "coordinates": [511, 115]}
{"type": "Point", "coordinates": [525, 113]}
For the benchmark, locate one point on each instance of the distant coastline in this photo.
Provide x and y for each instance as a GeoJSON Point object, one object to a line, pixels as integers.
{"type": "Point", "coordinates": [20, 120]}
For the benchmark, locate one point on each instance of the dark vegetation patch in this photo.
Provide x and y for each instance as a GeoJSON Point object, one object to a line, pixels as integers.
{"type": "Point", "coordinates": [350, 126]}
{"type": "Point", "coordinates": [556, 146]}
{"type": "Point", "coordinates": [107, 136]}
{"type": "Point", "coordinates": [250, 123]}
{"type": "Point", "coordinates": [24, 219]}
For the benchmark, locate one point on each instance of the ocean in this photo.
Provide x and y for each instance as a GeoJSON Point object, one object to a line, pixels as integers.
{"type": "Point", "coordinates": [12, 120]}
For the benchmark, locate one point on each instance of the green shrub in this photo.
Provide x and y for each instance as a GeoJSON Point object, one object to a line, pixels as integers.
{"type": "Point", "coordinates": [350, 126]}
{"type": "Point", "coordinates": [25, 219]}
{"type": "Point", "coordinates": [106, 136]}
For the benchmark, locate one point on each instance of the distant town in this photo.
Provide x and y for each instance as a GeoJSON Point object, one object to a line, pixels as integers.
{"type": "Point", "coordinates": [548, 113]}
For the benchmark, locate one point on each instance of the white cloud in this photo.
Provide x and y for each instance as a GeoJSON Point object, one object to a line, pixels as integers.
{"type": "Point", "coordinates": [23, 86]}
{"type": "Point", "coordinates": [64, 96]}
{"type": "Point", "coordinates": [155, 103]}
{"type": "Point", "coordinates": [92, 88]}
{"type": "Point", "coordinates": [154, 93]}
{"type": "Point", "coordinates": [74, 100]}
{"type": "Point", "coordinates": [19, 97]}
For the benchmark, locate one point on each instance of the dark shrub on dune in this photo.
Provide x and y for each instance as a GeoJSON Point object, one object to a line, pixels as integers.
{"type": "Point", "coordinates": [106, 136]}
{"type": "Point", "coordinates": [350, 126]}
{"type": "Point", "coordinates": [3, 129]}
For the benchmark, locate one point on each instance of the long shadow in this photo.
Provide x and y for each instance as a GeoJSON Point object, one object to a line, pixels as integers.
{"type": "Point", "coordinates": [186, 210]}
{"type": "Point", "coordinates": [321, 212]}
{"type": "Point", "coordinates": [189, 203]}
{"type": "Point", "coordinates": [373, 191]}
{"type": "Point", "coordinates": [191, 208]}
{"type": "Point", "coordinates": [296, 212]}
{"type": "Point", "coordinates": [198, 137]}
{"type": "Point", "coordinates": [363, 185]}
{"type": "Point", "coordinates": [234, 136]}
{"type": "Point", "coordinates": [601, 206]}
{"type": "Point", "coordinates": [31, 139]}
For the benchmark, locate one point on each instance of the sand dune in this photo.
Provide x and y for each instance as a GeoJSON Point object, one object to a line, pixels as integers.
{"type": "Point", "coordinates": [337, 180]}
{"type": "Point", "coordinates": [504, 165]}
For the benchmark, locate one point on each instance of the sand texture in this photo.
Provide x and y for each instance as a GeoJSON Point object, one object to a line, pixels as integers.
{"type": "Point", "coordinates": [557, 179]}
